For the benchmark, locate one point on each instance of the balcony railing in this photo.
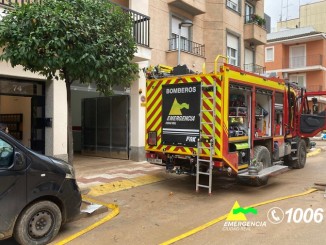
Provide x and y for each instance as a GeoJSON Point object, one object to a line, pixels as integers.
{"type": "Point", "coordinates": [186, 46]}
{"type": "Point", "coordinates": [255, 68]}
{"type": "Point", "coordinates": [140, 28]}
{"type": "Point", "coordinates": [303, 61]}
{"type": "Point", "coordinates": [12, 2]}
{"type": "Point", "coordinates": [253, 18]}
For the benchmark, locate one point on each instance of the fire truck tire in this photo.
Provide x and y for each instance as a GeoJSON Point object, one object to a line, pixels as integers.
{"type": "Point", "coordinates": [261, 154]}
{"type": "Point", "coordinates": [301, 155]}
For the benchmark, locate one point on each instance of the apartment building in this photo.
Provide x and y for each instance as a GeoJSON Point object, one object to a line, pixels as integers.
{"type": "Point", "coordinates": [169, 32]}
{"type": "Point", "coordinates": [298, 55]}
{"type": "Point", "coordinates": [311, 14]}
{"type": "Point", "coordinates": [233, 28]}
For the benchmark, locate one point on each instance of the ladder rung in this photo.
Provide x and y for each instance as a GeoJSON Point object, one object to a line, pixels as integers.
{"type": "Point", "coordinates": [204, 173]}
{"type": "Point", "coordinates": [207, 110]}
{"type": "Point", "coordinates": [204, 186]}
{"type": "Point", "coordinates": [203, 160]}
{"type": "Point", "coordinates": [205, 147]}
{"type": "Point", "coordinates": [209, 135]}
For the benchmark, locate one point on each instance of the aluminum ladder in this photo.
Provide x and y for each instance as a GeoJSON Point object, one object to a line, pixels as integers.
{"type": "Point", "coordinates": [206, 141]}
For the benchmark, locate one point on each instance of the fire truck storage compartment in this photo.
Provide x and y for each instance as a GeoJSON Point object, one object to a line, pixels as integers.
{"type": "Point", "coordinates": [239, 121]}
{"type": "Point", "coordinates": [263, 113]}
{"type": "Point", "coordinates": [239, 111]}
{"type": "Point", "coordinates": [278, 120]}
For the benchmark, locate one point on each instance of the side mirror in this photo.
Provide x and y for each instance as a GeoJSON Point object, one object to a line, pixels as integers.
{"type": "Point", "coordinates": [19, 161]}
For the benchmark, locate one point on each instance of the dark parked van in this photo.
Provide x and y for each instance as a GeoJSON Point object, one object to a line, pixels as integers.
{"type": "Point", "coordinates": [37, 193]}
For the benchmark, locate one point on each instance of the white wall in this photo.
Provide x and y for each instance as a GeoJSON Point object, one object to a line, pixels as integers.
{"type": "Point", "coordinates": [140, 6]}
{"type": "Point", "coordinates": [137, 116]}
{"type": "Point", "coordinates": [7, 70]}
{"type": "Point", "coordinates": [56, 108]}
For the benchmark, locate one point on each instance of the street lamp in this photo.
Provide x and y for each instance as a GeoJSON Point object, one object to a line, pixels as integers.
{"type": "Point", "coordinates": [185, 23]}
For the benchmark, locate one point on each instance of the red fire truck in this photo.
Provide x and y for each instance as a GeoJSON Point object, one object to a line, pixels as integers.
{"type": "Point", "coordinates": [230, 122]}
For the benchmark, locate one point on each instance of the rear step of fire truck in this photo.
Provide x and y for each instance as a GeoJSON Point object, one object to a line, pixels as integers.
{"type": "Point", "coordinates": [270, 171]}
{"type": "Point", "coordinates": [205, 139]}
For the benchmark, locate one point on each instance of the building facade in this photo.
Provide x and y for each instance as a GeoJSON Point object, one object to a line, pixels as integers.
{"type": "Point", "coordinates": [298, 55]}
{"type": "Point", "coordinates": [311, 14]}
{"type": "Point", "coordinates": [169, 32]}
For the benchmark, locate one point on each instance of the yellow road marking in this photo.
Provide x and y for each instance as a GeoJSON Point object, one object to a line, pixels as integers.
{"type": "Point", "coordinates": [210, 223]}
{"type": "Point", "coordinates": [115, 212]}
{"type": "Point", "coordinates": [120, 185]}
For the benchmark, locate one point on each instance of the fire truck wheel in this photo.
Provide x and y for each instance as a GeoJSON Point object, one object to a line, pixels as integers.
{"type": "Point", "coordinates": [301, 155]}
{"type": "Point", "coordinates": [262, 156]}
{"type": "Point", "coordinates": [263, 159]}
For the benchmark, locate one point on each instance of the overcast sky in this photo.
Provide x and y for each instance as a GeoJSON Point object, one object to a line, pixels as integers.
{"type": "Point", "coordinates": [284, 9]}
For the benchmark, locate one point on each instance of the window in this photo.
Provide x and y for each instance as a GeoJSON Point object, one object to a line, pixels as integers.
{"type": "Point", "coordinates": [297, 56]}
{"type": "Point", "coordinates": [249, 10]}
{"type": "Point", "coordinates": [269, 54]}
{"type": "Point", "coordinates": [185, 43]}
{"type": "Point", "coordinates": [233, 4]}
{"type": "Point", "coordinates": [299, 79]}
{"type": "Point", "coordinates": [232, 49]}
{"type": "Point", "coordinates": [6, 154]}
{"type": "Point", "coordinates": [249, 60]}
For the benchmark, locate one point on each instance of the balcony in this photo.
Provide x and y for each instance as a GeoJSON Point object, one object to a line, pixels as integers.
{"type": "Point", "coordinates": [141, 27]}
{"type": "Point", "coordinates": [254, 30]}
{"type": "Point", "coordinates": [303, 63]}
{"type": "Point", "coordinates": [191, 53]}
{"type": "Point", "coordinates": [186, 46]}
{"type": "Point", "coordinates": [254, 68]}
{"type": "Point", "coordinates": [194, 7]}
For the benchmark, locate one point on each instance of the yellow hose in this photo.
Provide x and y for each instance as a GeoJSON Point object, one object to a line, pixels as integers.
{"type": "Point", "coordinates": [210, 223]}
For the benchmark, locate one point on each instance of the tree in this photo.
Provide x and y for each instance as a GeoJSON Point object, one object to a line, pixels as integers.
{"type": "Point", "coordinates": [76, 40]}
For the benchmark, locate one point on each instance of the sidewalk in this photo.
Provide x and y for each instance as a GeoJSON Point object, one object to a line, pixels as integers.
{"type": "Point", "coordinates": [96, 171]}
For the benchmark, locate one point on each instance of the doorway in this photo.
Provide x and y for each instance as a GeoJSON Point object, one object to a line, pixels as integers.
{"type": "Point", "coordinates": [22, 108]}
{"type": "Point", "coordinates": [105, 126]}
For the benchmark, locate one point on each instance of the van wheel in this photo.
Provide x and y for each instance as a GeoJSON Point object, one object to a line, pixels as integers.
{"type": "Point", "coordinates": [38, 224]}
{"type": "Point", "coordinates": [301, 155]}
